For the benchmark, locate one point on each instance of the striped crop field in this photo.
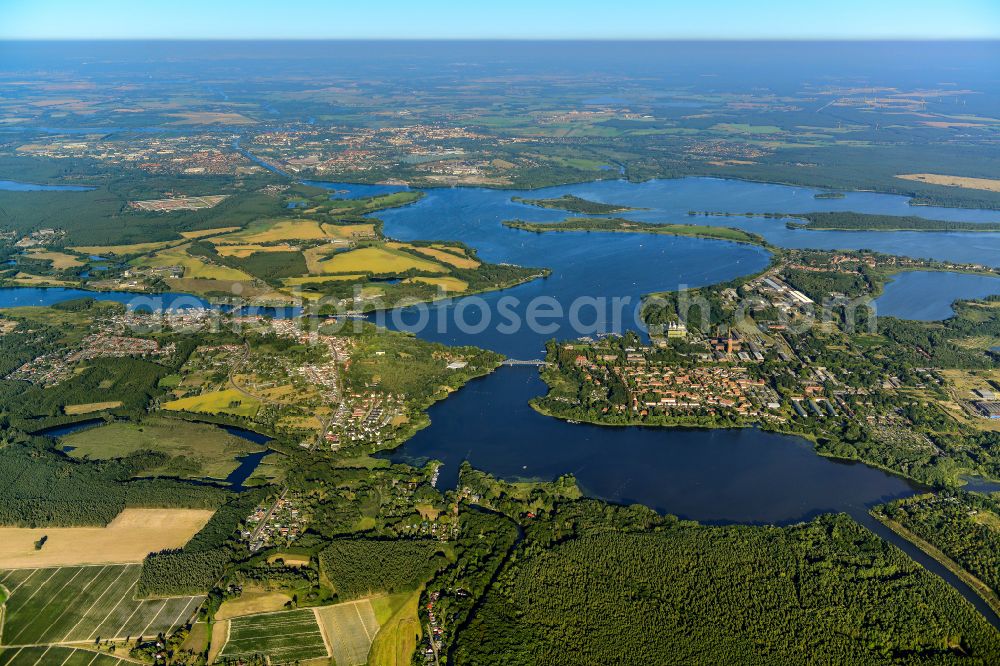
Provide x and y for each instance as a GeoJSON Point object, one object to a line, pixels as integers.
{"type": "Point", "coordinates": [81, 604]}
{"type": "Point", "coordinates": [55, 655]}
{"type": "Point", "coordinates": [284, 637]}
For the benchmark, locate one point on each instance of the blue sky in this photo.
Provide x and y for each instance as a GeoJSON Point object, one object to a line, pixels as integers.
{"type": "Point", "coordinates": [517, 19]}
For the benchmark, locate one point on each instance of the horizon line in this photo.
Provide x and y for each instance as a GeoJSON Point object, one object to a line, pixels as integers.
{"type": "Point", "coordinates": [744, 40]}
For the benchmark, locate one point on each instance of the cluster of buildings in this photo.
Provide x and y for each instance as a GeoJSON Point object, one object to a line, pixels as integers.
{"type": "Point", "coordinates": [50, 369]}
{"type": "Point", "coordinates": [41, 237]}
{"type": "Point", "coordinates": [988, 403]}
{"type": "Point", "coordinates": [194, 154]}
{"type": "Point", "coordinates": [722, 153]}
{"type": "Point", "coordinates": [779, 294]}
{"type": "Point", "coordinates": [278, 524]}
{"type": "Point", "coordinates": [713, 389]}
{"type": "Point", "coordinates": [364, 418]}
{"type": "Point", "coordinates": [435, 637]}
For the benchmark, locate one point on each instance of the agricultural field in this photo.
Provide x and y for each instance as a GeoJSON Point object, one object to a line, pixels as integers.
{"type": "Point", "coordinates": [349, 231]}
{"type": "Point", "coordinates": [349, 628]}
{"type": "Point", "coordinates": [451, 284]}
{"type": "Point", "coordinates": [284, 637]}
{"type": "Point", "coordinates": [449, 256]}
{"type": "Point", "coordinates": [82, 604]}
{"type": "Point", "coordinates": [988, 184]}
{"type": "Point", "coordinates": [271, 231]}
{"type": "Point", "coordinates": [196, 450]}
{"type": "Point", "coordinates": [378, 260]}
{"type": "Point", "coordinates": [57, 656]}
{"type": "Point", "coordinates": [399, 631]}
{"type": "Point", "coordinates": [132, 535]}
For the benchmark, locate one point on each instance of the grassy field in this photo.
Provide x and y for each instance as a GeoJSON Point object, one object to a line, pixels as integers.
{"type": "Point", "coordinates": [378, 260]}
{"type": "Point", "coordinates": [252, 603]}
{"type": "Point", "coordinates": [88, 407]}
{"type": "Point", "coordinates": [290, 559]}
{"type": "Point", "coordinates": [121, 250]}
{"type": "Point", "coordinates": [202, 233]}
{"type": "Point", "coordinates": [291, 282]}
{"type": "Point", "coordinates": [194, 267]}
{"type": "Point", "coordinates": [228, 401]}
{"type": "Point", "coordinates": [80, 604]}
{"type": "Point", "coordinates": [58, 656]}
{"type": "Point", "coordinates": [132, 535]}
{"type": "Point", "coordinates": [196, 449]}
{"type": "Point", "coordinates": [244, 251]}
{"type": "Point", "coordinates": [284, 637]}
{"type": "Point", "coordinates": [60, 260]}
{"type": "Point", "coordinates": [397, 639]}
{"type": "Point", "coordinates": [349, 628]}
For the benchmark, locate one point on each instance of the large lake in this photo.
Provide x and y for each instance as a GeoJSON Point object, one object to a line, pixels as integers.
{"type": "Point", "coordinates": [712, 475]}
{"type": "Point", "coordinates": [717, 476]}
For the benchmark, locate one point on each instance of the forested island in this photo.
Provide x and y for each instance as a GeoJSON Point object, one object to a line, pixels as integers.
{"type": "Point", "coordinates": [848, 221]}
{"type": "Point", "coordinates": [575, 204]}
{"type": "Point", "coordinates": [621, 225]}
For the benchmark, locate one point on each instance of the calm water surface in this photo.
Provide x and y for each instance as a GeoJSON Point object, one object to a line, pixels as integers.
{"type": "Point", "coordinates": [928, 295]}
{"type": "Point", "coordinates": [15, 186]}
{"type": "Point", "coordinates": [710, 475]}
{"type": "Point", "coordinates": [715, 476]}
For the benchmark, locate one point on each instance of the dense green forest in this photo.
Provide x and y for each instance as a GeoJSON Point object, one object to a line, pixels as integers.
{"type": "Point", "coordinates": [360, 567]}
{"type": "Point", "coordinates": [103, 217]}
{"type": "Point", "coordinates": [595, 582]}
{"type": "Point", "coordinates": [201, 563]}
{"type": "Point", "coordinates": [964, 526]}
{"type": "Point", "coordinates": [41, 487]}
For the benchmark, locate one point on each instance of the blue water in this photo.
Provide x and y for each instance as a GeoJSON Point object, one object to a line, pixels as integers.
{"type": "Point", "coordinates": [928, 295]}
{"type": "Point", "coordinates": [712, 475]}
{"type": "Point", "coordinates": [355, 190]}
{"type": "Point", "coordinates": [717, 476]}
{"type": "Point", "coordinates": [980, 485]}
{"type": "Point", "coordinates": [605, 266]}
{"type": "Point", "coordinates": [474, 215]}
{"type": "Point", "coordinates": [63, 430]}
{"type": "Point", "coordinates": [25, 296]}
{"type": "Point", "coordinates": [248, 464]}
{"type": "Point", "coordinates": [15, 186]}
